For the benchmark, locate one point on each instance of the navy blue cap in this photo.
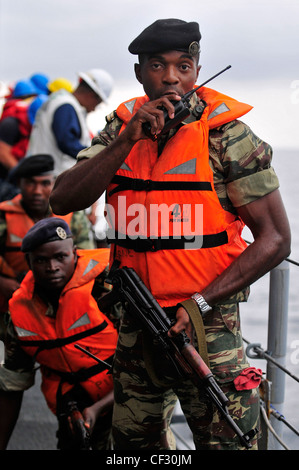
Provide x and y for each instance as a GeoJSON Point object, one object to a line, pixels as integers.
{"type": "Point", "coordinates": [45, 231]}
{"type": "Point", "coordinates": [168, 35]}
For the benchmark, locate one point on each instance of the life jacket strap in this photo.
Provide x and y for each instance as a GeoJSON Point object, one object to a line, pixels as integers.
{"type": "Point", "coordinates": [136, 184]}
{"type": "Point", "coordinates": [83, 374]}
{"type": "Point", "coordinates": [142, 245]}
{"type": "Point", "coordinates": [46, 344]}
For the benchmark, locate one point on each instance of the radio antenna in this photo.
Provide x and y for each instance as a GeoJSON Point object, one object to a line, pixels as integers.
{"type": "Point", "coordinates": [189, 93]}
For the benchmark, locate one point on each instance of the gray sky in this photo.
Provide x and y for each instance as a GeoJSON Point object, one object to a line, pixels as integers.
{"type": "Point", "coordinates": [259, 38]}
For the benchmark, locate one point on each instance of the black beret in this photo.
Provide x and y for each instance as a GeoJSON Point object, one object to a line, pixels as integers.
{"type": "Point", "coordinates": [35, 165]}
{"type": "Point", "coordinates": [166, 35]}
{"type": "Point", "coordinates": [45, 231]}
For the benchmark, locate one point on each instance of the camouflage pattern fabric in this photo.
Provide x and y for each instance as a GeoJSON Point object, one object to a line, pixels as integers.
{"type": "Point", "coordinates": [81, 230]}
{"type": "Point", "coordinates": [143, 409]}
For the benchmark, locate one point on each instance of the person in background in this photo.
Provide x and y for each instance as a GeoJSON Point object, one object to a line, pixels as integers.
{"type": "Point", "coordinates": [35, 178]}
{"type": "Point", "coordinates": [211, 161]}
{"type": "Point", "coordinates": [60, 128]}
{"type": "Point", "coordinates": [15, 127]}
{"type": "Point", "coordinates": [55, 309]}
{"type": "Point", "coordinates": [40, 81]}
{"type": "Point", "coordinates": [52, 86]}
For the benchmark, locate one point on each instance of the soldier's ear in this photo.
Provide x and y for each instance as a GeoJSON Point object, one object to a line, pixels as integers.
{"type": "Point", "coordinates": [75, 253]}
{"type": "Point", "coordinates": [137, 69]}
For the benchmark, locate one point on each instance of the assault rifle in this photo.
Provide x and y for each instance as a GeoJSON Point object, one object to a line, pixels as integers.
{"type": "Point", "coordinates": [78, 428]}
{"type": "Point", "coordinates": [128, 288]}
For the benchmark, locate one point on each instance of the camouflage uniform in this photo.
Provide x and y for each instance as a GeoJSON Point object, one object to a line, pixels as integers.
{"type": "Point", "coordinates": [241, 165]}
{"type": "Point", "coordinates": [144, 402]}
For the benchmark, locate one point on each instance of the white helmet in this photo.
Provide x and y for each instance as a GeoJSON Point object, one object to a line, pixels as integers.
{"type": "Point", "coordinates": [100, 81]}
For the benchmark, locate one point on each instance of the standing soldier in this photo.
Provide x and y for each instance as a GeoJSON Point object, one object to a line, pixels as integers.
{"type": "Point", "coordinates": [212, 161]}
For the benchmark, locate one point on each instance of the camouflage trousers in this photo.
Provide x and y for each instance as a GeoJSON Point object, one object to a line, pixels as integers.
{"type": "Point", "coordinates": [144, 405]}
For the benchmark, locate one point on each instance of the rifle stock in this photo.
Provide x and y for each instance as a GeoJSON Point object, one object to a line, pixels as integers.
{"type": "Point", "coordinates": [129, 288]}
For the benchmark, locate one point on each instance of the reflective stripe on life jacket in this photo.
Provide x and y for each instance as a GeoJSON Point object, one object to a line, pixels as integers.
{"type": "Point", "coordinates": [78, 321]}
{"type": "Point", "coordinates": [221, 108]}
{"type": "Point", "coordinates": [164, 208]}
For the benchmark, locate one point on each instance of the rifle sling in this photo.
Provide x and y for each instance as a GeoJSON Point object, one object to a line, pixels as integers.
{"type": "Point", "coordinates": [197, 322]}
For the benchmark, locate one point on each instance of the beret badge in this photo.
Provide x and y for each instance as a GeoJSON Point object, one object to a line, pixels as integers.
{"type": "Point", "coordinates": [194, 48]}
{"type": "Point", "coordinates": [61, 233]}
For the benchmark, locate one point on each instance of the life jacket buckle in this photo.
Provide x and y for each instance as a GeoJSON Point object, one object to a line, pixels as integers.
{"type": "Point", "coordinates": [141, 185]}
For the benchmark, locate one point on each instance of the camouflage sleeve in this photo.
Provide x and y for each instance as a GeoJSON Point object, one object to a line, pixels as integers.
{"type": "Point", "coordinates": [17, 373]}
{"type": "Point", "coordinates": [105, 137]}
{"type": "Point", "coordinates": [241, 164]}
{"type": "Point", "coordinates": [81, 230]}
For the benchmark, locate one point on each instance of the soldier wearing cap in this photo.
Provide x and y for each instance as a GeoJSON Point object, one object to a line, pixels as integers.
{"type": "Point", "coordinates": [35, 178]}
{"type": "Point", "coordinates": [210, 160]}
{"type": "Point", "coordinates": [55, 309]}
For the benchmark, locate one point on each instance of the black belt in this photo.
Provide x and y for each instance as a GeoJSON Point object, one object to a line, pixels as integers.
{"type": "Point", "coordinates": [141, 245]}
{"type": "Point", "coordinates": [136, 184]}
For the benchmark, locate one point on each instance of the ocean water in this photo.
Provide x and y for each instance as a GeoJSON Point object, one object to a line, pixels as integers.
{"type": "Point", "coordinates": [254, 314]}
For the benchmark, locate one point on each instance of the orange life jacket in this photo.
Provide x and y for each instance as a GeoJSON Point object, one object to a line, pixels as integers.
{"type": "Point", "coordinates": [18, 223]}
{"type": "Point", "coordinates": [18, 108]}
{"type": "Point", "coordinates": [78, 321]}
{"type": "Point", "coordinates": [13, 262]}
{"type": "Point", "coordinates": [171, 266]}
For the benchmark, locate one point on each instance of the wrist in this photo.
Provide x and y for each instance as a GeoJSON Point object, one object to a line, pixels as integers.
{"type": "Point", "coordinates": [129, 137]}
{"type": "Point", "coordinates": [203, 306]}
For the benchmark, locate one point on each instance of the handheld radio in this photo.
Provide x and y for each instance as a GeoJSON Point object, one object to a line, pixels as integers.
{"type": "Point", "coordinates": [181, 110]}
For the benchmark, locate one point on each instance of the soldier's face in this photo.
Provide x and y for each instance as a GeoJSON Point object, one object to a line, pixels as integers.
{"type": "Point", "coordinates": [53, 264]}
{"type": "Point", "coordinates": [167, 73]}
{"type": "Point", "coordinates": [36, 191]}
